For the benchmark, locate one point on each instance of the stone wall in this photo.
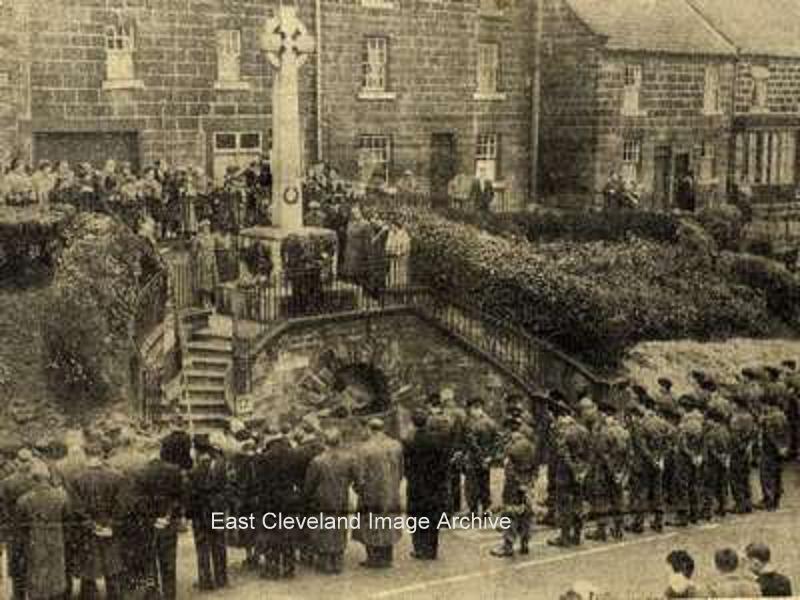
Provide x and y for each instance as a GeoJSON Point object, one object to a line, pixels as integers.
{"type": "Point", "coordinates": [783, 85]}
{"type": "Point", "coordinates": [176, 105]}
{"type": "Point", "coordinates": [414, 357]}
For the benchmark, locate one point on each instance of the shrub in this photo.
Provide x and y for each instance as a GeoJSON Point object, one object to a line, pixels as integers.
{"type": "Point", "coordinates": [725, 224]}
{"type": "Point", "coordinates": [780, 287]}
{"type": "Point", "coordinates": [88, 320]}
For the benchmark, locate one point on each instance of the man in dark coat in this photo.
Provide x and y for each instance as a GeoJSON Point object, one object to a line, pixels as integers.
{"type": "Point", "coordinates": [209, 493]}
{"type": "Point", "coordinates": [572, 464]}
{"type": "Point", "coordinates": [97, 496]}
{"type": "Point", "coordinates": [176, 446]}
{"type": "Point", "coordinates": [159, 488]}
{"type": "Point", "coordinates": [744, 435]}
{"type": "Point", "coordinates": [689, 456]}
{"type": "Point", "coordinates": [427, 464]}
{"type": "Point", "coordinates": [277, 495]}
{"type": "Point", "coordinates": [41, 513]}
{"type": "Point", "coordinates": [12, 488]}
{"type": "Point", "coordinates": [326, 490]}
{"type": "Point", "coordinates": [718, 456]}
{"type": "Point", "coordinates": [774, 447]}
{"type": "Point", "coordinates": [650, 439]}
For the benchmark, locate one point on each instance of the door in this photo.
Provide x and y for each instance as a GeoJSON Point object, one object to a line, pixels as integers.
{"type": "Point", "coordinates": [92, 147]}
{"type": "Point", "coordinates": [684, 190]}
{"type": "Point", "coordinates": [444, 164]}
{"type": "Point", "coordinates": [662, 182]}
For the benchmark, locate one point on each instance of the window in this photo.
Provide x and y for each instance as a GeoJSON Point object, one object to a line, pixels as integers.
{"type": "Point", "coordinates": [120, 45]}
{"type": "Point", "coordinates": [229, 51]}
{"type": "Point", "coordinates": [376, 61]}
{"type": "Point", "coordinates": [711, 104]}
{"type": "Point", "coordinates": [708, 161]}
{"type": "Point", "coordinates": [632, 90]}
{"type": "Point", "coordinates": [488, 68]}
{"type": "Point", "coordinates": [760, 83]}
{"type": "Point", "coordinates": [767, 157]}
{"type": "Point", "coordinates": [375, 157]}
{"type": "Point", "coordinates": [235, 149]}
{"type": "Point", "coordinates": [487, 152]}
{"type": "Point", "coordinates": [631, 158]}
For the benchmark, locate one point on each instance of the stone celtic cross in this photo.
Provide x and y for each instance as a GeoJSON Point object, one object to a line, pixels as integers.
{"type": "Point", "coordinates": [288, 46]}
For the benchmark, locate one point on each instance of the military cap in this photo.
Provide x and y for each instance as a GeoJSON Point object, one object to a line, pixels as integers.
{"type": "Point", "coordinates": [475, 401]}
{"type": "Point", "coordinates": [699, 376]}
{"type": "Point", "coordinates": [665, 382]}
{"type": "Point", "coordinates": [790, 364]}
{"type": "Point", "coordinates": [749, 373]}
{"type": "Point", "coordinates": [375, 424]}
{"type": "Point", "coordinates": [688, 402]}
{"type": "Point", "coordinates": [772, 372]}
{"type": "Point", "coordinates": [708, 385]}
{"type": "Point", "coordinates": [587, 404]}
{"type": "Point", "coordinates": [434, 399]}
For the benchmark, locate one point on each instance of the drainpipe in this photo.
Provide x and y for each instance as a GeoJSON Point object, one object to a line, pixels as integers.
{"type": "Point", "coordinates": [318, 25]}
{"type": "Point", "coordinates": [536, 87]}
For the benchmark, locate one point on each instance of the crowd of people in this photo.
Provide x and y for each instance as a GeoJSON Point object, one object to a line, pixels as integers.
{"type": "Point", "coordinates": [81, 517]}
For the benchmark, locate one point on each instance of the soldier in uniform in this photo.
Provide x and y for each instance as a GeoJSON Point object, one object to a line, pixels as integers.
{"type": "Point", "coordinates": [718, 456]}
{"type": "Point", "coordinates": [519, 468]}
{"type": "Point", "coordinates": [650, 436]}
{"type": "Point", "coordinates": [611, 446]}
{"type": "Point", "coordinates": [689, 456]}
{"type": "Point", "coordinates": [572, 462]}
{"type": "Point", "coordinates": [458, 418]}
{"type": "Point", "coordinates": [743, 441]}
{"type": "Point", "coordinates": [481, 441]}
{"type": "Point", "coordinates": [774, 450]}
{"type": "Point", "coordinates": [791, 379]}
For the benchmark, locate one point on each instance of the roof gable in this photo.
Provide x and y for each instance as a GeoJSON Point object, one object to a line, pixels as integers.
{"type": "Point", "coordinates": [671, 26]}
{"type": "Point", "coordinates": [758, 27]}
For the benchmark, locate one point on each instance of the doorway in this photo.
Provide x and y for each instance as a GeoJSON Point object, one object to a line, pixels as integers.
{"type": "Point", "coordinates": [444, 164]}
{"type": "Point", "coordinates": [662, 182]}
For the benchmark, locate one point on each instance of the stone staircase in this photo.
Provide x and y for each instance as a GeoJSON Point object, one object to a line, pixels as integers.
{"type": "Point", "coordinates": [206, 398]}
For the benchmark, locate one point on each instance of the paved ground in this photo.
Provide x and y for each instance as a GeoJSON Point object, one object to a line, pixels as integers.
{"type": "Point", "coordinates": [634, 568]}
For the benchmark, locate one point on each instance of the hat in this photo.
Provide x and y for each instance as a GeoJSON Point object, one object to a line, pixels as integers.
{"type": "Point", "coordinates": [434, 399]}
{"type": "Point", "coordinates": [749, 373]}
{"type": "Point", "coordinates": [375, 424]}
{"type": "Point", "coordinates": [474, 401]}
{"type": "Point", "coordinates": [773, 372]}
{"type": "Point", "coordinates": [699, 376]}
{"type": "Point", "coordinates": [790, 364]}
{"type": "Point", "coordinates": [587, 404]}
{"type": "Point", "coordinates": [665, 382]}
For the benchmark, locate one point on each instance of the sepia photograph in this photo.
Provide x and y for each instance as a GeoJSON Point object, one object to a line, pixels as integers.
{"type": "Point", "coordinates": [399, 299]}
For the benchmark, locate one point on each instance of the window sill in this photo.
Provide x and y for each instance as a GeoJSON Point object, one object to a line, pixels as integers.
{"type": "Point", "coordinates": [630, 113]}
{"type": "Point", "coordinates": [123, 84]}
{"type": "Point", "coordinates": [367, 95]}
{"type": "Point", "coordinates": [484, 97]}
{"type": "Point", "coordinates": [231, 86]}
{"type": "Point", "coordinates": [713, 113]}
{"type": "Point", "coordinates": [388, 5]}
{"type": "Point", "coordinates": [758, 110]}
{"type": "Point", "coordinates": [492, 14]}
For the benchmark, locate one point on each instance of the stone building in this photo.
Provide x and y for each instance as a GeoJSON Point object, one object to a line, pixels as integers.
{"type": "Point", "coordinates": [640, 87]}
{"type": "Point", "coordinates": [438, 87]}
{"type": "Point", "coordinates": [766, 116]}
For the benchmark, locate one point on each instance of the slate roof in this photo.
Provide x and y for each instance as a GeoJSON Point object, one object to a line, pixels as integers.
{"type": "Point", "coordinates": [756, 27]}
{"type": "Point", "coordinates": [671, 26]}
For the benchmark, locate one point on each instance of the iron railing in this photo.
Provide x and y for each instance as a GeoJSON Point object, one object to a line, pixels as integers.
{"type": "Point", "coordinates": [151, 306]}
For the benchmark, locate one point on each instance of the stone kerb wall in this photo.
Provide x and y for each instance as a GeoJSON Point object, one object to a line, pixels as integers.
{"type": "Point", "coordinates": [415, 358]}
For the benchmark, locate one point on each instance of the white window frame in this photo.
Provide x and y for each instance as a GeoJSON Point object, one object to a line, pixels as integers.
{"type": "Point", "coordinates": [379, 148]}
{"type": "Point", "coordinates": [711, 91]}
{"type": "Point", "coordinates": [229, 54]}
{"type": "Point", "coordinates": [487, 153]}
{"type": "Point", "coordinates": [760, 89]}
{"type": "Point", "coordinates": [708, 161]}
{"type": "Point", "coordinates": [120, 39]}
{"type": "Point", "coordinates": [632, 89]}
{"type": "Point", "coordinates": [238, 148]}
{"type": "Point", "coordinates": [488, 69]}
{"type": "Point", "coordinates": [631, 158]}
{"type": "Point", "coordinates": [375, 67]}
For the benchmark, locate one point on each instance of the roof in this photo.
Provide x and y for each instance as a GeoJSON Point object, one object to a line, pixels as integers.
{"type": "Point", "coordinates": [652, 25]}
{"type": "Point", "coordinates": [758, 27]}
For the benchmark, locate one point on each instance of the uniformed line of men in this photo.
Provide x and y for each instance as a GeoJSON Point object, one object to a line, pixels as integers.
{"type": "Point", "coordinates": [690, 454]}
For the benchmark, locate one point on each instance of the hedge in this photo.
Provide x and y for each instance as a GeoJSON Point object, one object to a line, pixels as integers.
{"type": "Point", "coordinates": [594, 300]}
{"type": "Point", "coordinates": [586, 226]}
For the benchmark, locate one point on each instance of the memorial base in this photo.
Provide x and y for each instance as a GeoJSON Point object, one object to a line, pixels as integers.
{"type": "Point", "coordinates": [274, 239]}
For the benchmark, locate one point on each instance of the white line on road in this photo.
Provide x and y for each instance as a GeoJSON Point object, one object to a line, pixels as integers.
{"type": "Point", "coordinates": [418, 587]}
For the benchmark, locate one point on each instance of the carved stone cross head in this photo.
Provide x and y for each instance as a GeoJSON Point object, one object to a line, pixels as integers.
{"type": "Point", "coordinates": [285, 36]}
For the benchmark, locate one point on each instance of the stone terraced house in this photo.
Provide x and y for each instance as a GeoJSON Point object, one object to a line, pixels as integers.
{"type": "Point", "coordinates": [438, 87]}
